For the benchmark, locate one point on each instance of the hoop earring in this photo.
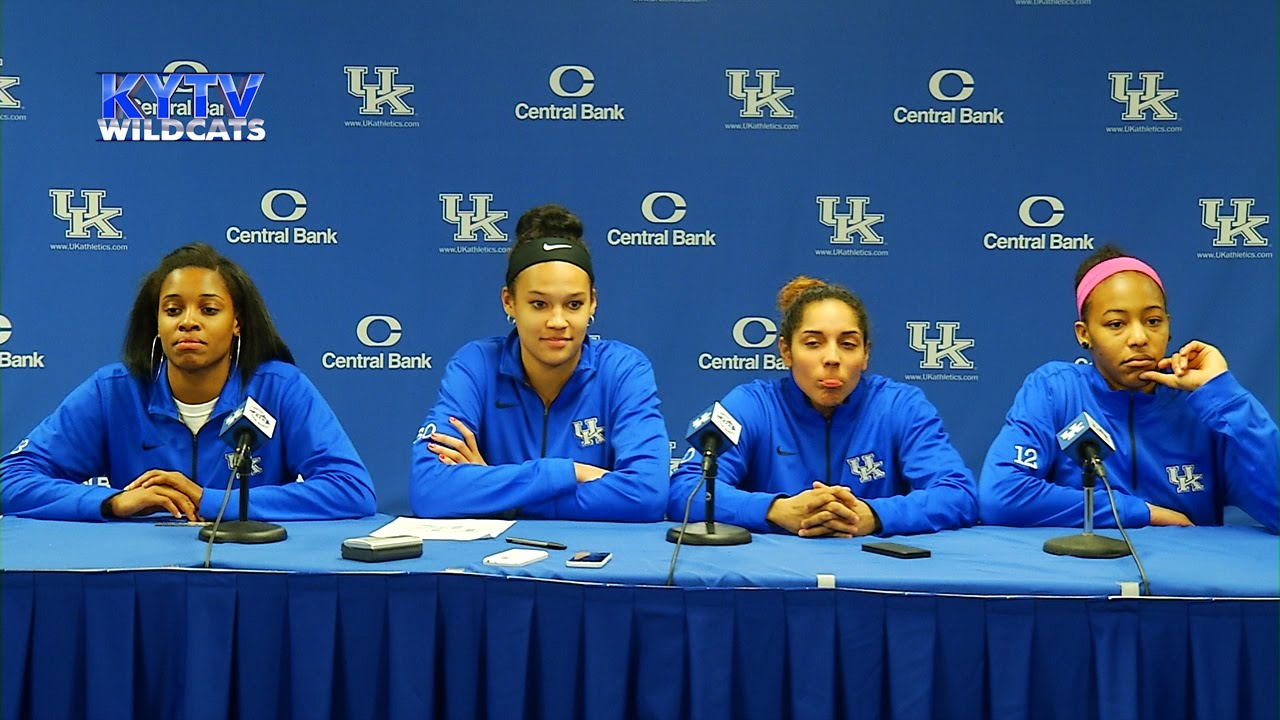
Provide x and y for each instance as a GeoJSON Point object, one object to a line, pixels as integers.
{"type": "Point", "coordinates": [236, 363]}
{"type": "Point", "coordinates": [591, 321]}
{"type": "Point", "coordinates": [155, 372]}
{"type": "Point", "coordinates": [511, 320]}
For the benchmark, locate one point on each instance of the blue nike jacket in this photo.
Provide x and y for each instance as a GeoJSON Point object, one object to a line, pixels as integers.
{"type": "Point", "coordinates": [115, 427]}
{"type": "Point", "coordinates": [885, 442]}
{"type": "Point", "coordinates": [606, 415]}
{"type": "Point", "coordinates": [1191, 452]}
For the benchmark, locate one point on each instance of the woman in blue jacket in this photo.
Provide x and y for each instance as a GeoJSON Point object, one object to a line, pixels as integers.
{"type": "Point", "coordinates": [142, 436]}
{"type": "Point", "coordinates": [1189, 439]}
{"type": "Point", "coordinates": [544, 422]}
{"type": "Point", "coordinates": [828, 450]}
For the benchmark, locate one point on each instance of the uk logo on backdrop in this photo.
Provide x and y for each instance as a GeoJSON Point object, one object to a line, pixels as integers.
{"type": "Point", "coordinates": [763, 99]}
{"type": "Point", "coordinates": [10, 359]}
{"type": "Point", "coordinates": [474, 219]}
{"type": "Point", "coordinates": [570, 85]}
{"type": "Point", "coordinates": [755, 347]}
{"type": "Point", "coordinates": [854, 227]}
{"type": "Point", "coordinates": [282, 208]}
{"type": "Point", "coordinates": [943, 351]}
{"type": "Point", "coordinates": [10, 103]}
{"type": "Point", "coordinates": [952, 87]}
{"type": "Point", "coordinates": [1041, 217]}
{"type": "Point", "coordinates": [1147, 102]}
{"type": "Point", "coordinates": [184, 102]}
{"type": "Point", "coordinates": [375, 334]}
{"type": "Point", "coordinates": [1237, 229]}
{"type": "Point", "coordinates": [89, 220]}
{"type": "Point", "coordinates": [663, 212]}
{"type": "Point", "coordinates": [382, 97]}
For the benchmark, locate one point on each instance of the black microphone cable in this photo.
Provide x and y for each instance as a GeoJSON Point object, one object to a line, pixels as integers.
{"type": "Point", "coordinates": [1146, 585]}
{"type": "Point", "coordinates": [688, 503]}
{"type": "Point", "coordinates": [213, 529]}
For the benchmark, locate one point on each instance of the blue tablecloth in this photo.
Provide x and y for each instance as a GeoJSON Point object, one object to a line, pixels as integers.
{"type": "Point", "coordinates": [116, 620]}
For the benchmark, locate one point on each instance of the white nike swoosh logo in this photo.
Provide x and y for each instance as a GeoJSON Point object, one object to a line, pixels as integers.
{"type": "Point", "coordinates": [549, 248]}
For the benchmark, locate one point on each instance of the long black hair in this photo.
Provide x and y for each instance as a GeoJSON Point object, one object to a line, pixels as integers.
{"type": "Point", "coordinates": [259, 339]}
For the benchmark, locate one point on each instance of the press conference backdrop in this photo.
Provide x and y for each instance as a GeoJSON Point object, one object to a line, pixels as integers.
{"type": "Point", "coordinates": [951, 163]}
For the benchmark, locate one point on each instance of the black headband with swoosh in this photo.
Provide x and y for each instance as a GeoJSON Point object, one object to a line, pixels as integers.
{"type": "Point", "coordinates": [532, 252]}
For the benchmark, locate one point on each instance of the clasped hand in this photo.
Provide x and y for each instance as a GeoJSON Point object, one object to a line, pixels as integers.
{"type": "Point", "coordinates": [157, 490]}
{"type": "Point", "coordinates": [823, 511]}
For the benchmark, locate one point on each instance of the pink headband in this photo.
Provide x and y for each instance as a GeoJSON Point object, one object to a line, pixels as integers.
{"type": "Point", "coordinates": [1106, 269]}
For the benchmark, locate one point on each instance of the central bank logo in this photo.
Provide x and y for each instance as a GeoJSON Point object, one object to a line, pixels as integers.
{"type": "Point", "coordinates": [1038, 213]}
{"type": "Point", "coordinates": [282, 205]}
{"type": "Point", "coordinates": [570, 82]}
{"type": "Point", "coordinates": [765, 95]}
{"type": "Point", "coordinates": [479, 219]}
{"type": "Point", "coordinates": [7, 99]}
{"type": "Point", "coordinates": [1238, 225]}
{"type": "Point", "coordinates": [376, 331]}
{"type": "Point", "coordinates": [663, 209]}
{"type": "Point", "coordinates": [951, 85]}
{"type": "Point", "coordinates": [16, 360]}
{"type": "Point", "coordinates": [1145, 100]}
{"type": "Point", "coordinates": [91, 213]}
{"type": "Point", "coordinates": [380, 94]}
{"type": "Point", "coordinates": [940, 342]}
{"type": "Point", "coordinates": [756, 341]}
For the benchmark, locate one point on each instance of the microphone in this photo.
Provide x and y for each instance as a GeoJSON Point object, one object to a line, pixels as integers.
{"type": "Point", "coordinates": [1085, 440]}
{"type": "Point", "coordinates": [714, 431]}
{"type": "Point", "coordinates": [1089, 443]}
{"type": "Point", "coordinates": [711, 433]}
{"type": "Point", "coordinates": [246, 429]}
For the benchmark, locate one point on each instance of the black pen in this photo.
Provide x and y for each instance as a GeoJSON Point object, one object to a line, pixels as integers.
{"type": "Point", "coordinates": [537, 543]}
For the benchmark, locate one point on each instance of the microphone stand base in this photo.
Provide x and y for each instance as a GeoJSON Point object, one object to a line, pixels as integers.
{"type": "Point", "coordinates": [245, 532]}
{"type": "Point", "coordinates": [720, 534]}
{"type": "Point", "coordinates": [1086, 545]}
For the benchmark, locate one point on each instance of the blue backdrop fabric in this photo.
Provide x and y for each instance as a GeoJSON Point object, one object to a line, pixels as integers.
{"type": "Point", "coordinates": [951, 163]}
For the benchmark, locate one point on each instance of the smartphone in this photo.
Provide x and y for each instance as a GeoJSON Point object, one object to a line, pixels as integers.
{"type": "Point", "coordinates": [897, 550]}
{"type": "Point", "coordinates": [516, 557]}
{"type": "Point", "coordinates": [586, 559]}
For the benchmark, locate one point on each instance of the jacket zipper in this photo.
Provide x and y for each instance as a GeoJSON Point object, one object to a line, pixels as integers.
{"type": "Point", "coordinates": [1133, 451]}
{"type": "Point", "coordinates": [546, 415]}
{"type": "Point", "coordinates": [195, 454]}
{"type": "Point", "coordinates": [828, 451]}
